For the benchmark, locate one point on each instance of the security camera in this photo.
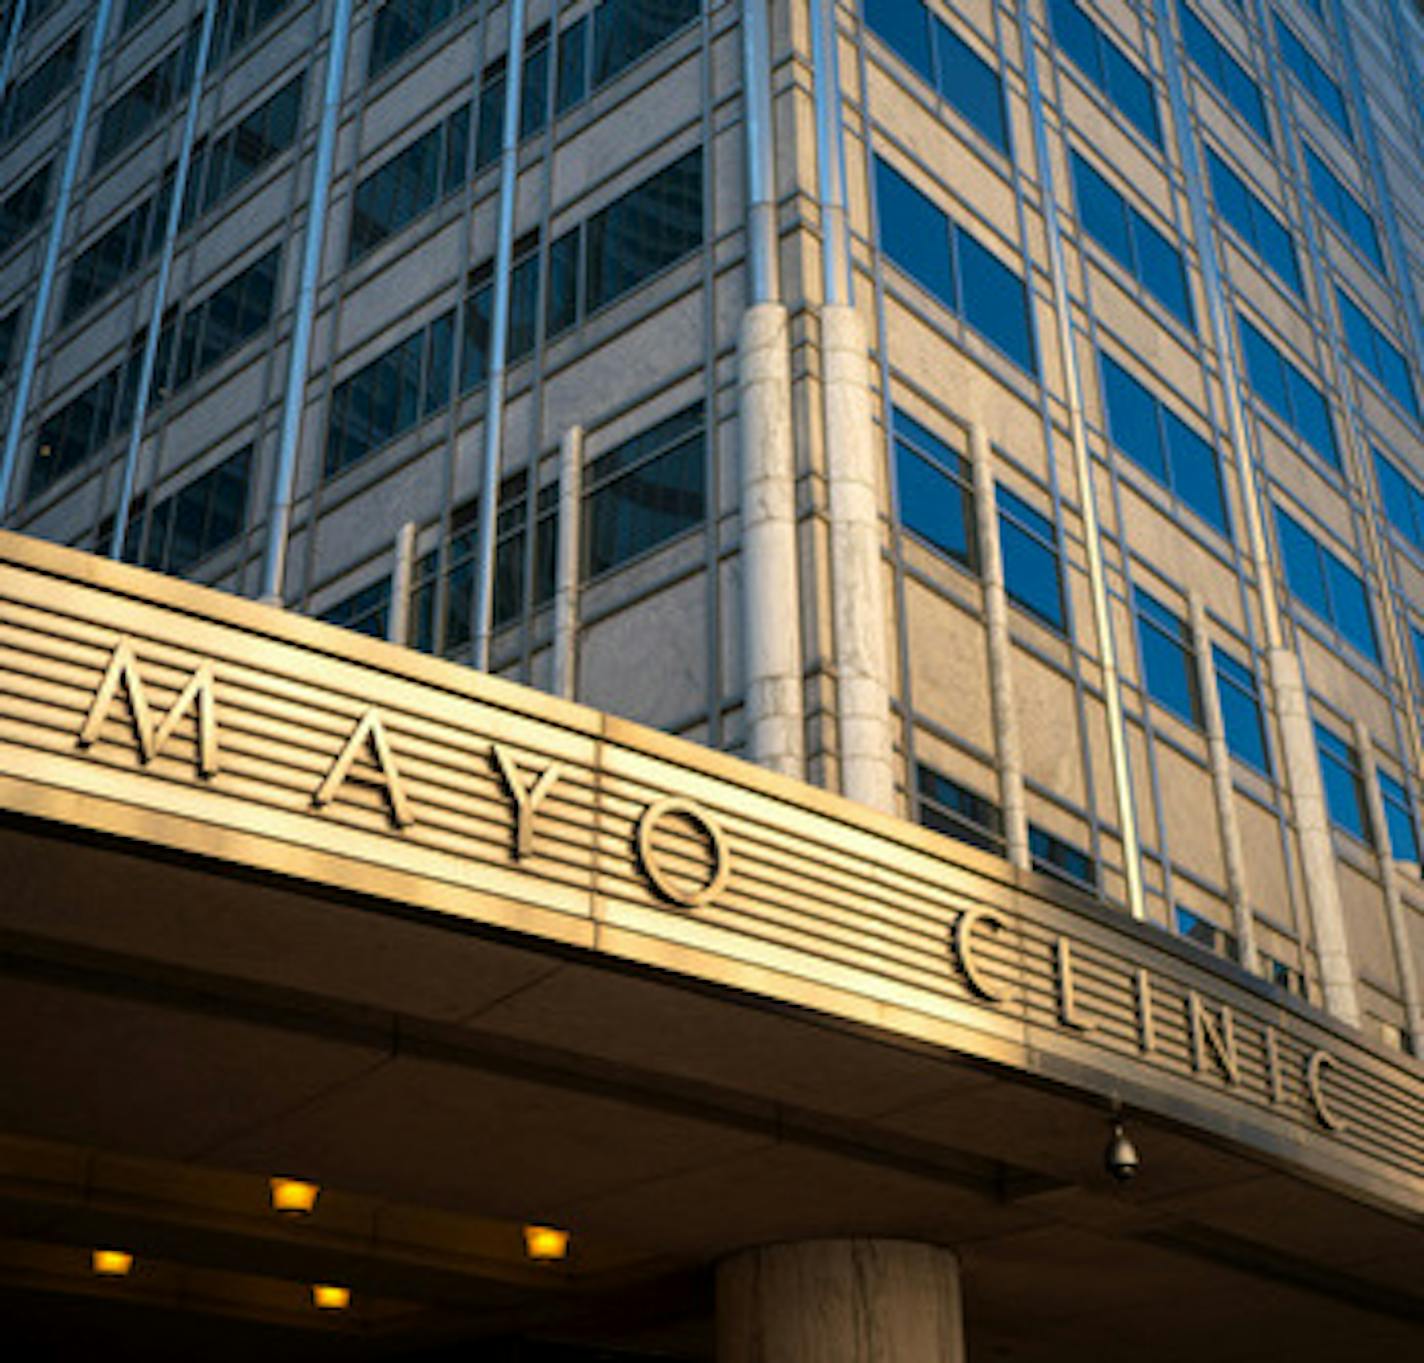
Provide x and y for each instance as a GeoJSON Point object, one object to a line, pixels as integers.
{"type": "Point", "coordinates": [1120, 1158]}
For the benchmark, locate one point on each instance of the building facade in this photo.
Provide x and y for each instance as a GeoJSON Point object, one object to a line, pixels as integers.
{"type": "Point", "coordinates": [1003, 415]}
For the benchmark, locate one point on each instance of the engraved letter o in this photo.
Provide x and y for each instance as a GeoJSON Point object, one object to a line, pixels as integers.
{"type": "Point", "coordinates": [662, 882]}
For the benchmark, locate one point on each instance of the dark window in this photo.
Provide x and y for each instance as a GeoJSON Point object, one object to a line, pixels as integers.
{"type": "Point", "coordinates": [1030, 549]}
{"type": "Point", "coordinates": [102, 266]}
{"type": "Point", "coordinates": [402, 24]}
{"type": "Point", "coordinates": [136, 10]}
{"type": "Point", "coordinates": [1254, 222]}
{"type": "Point", "coordinates": [649, 228]}
{"type": "Point", "coordinates": [489, 135]}
{"type": "Point", "coordinates": [1326, 584]}
{"type": "Point", "coordinates": [1055, 857]}
{"type": "Point", "coordinates": [1158, 440]}
{"type": "Point", "coordinates": [200, 518]}
{"type": "Point", "coordinates": [412, 182]}
{"type": "Point", "coordinates": [1399, 817]}
{"type": "Point", "coordinates": [534, 88]}
{"type": "Point", "coordinates": [1225, 72]}
{"type": "Point", "coordinates": [935, 490]}
{"type": "Point", "coordinates": [1288, 393]}
{"type": "Point", "coordinates": [1106, 66]}
{"type": "Point", "coordinates": [238, 154]}
{"type": "Point", "coordinates": [1313, 76]}
{"type": "Point", "coordinates": [1344, 209]}
{"type": "Point", "coordinates": [950, 808]}
{"type": "Point", "coordinates": [390, 395]}
{"type": "Point", "coordinates": [571, 82]}
{"type": "Point", "coordinates": [1241, 710]}
{"type": "Point", "coordinates": [1344, 790]}
{"type": "Point", "coordinates": [135, 111]}
{"type": "Point", "coordinates": [9, 329]}
{"type": "Point", "coordinates": [22, 208]}
{"type": "Point", "coordinates": [561, 304]}
{"type": "Point", "coordinates": [1206, 934]}
{"type": "Point", "coordinates": [367, 611]}
{"type": "Point", "coordinates": [239, 21]}
{"type": "Point", "coordinates": [623, 30]}
{"type": "Point", "coordinates": [26, 100]}
{"type": "Point", "coordinates": [946, 61]}
{"type": "Point", "coordinates": [1403, 502]}
{"type": "Point", "coordinates": [1379, 355]}
{"type": "Point", "coordinates": [479, 312]}
{"type": "Point", "coordinates": [945, 259]}
{"type": "Point", "coordinates": [645, 491]}
{"type": "Point", "coordinates": [1169, 660]}
{"type": "Point", "coordinates": [1131, 240]}
{"type": "Point", "coordinates": [225, 319]}
{"type": "Point", "coordinates": [68, 437]}
{"type": "Point", "coordinates": [1283, 976]}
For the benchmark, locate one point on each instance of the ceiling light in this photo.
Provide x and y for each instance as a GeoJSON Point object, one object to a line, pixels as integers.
{"type": "Point", "coordinates": [112, 1263]}
{"type": "Point", "coordinates": [545, 1244]}
{"type": "Point", "coordinates": [329, 1297]}
{"type": "Point", "coordinates": [292, 1197]}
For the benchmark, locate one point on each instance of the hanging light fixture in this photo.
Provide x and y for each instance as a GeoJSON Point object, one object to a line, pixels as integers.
{"type": "Point", "coordinates": [293, 1197]}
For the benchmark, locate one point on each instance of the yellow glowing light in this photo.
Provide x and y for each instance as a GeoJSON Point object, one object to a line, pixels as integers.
{"type": "Point", "coordinates": [328, 1297]}
{"type": "Point", "coordinates": [112, 1263]}
{"type": "Point", "coordinates": [545, 1243]}
{"type": "Point", "coordinates": [292, 1197]}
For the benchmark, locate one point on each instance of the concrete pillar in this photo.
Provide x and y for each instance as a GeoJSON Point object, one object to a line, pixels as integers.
{"type": "Point", "coordinates": [1317, 846]}
{"type": "Point", "coordinates": [858, 588]}
{"type": "Point", "coordinates": [1223, 789]}
{"type": "Point", "coordinates": [840, 1301]}
{"type": "Point", "coordinates": [566, 574]}
{"type": "Point", "coordinates": [1007, 742]}
{"type": "Point", "coordinates": [771, 613]}
{"type": "Point", "coordinates": [402, 579]}
{"type": "Point", "coordinates": [1395, 910]}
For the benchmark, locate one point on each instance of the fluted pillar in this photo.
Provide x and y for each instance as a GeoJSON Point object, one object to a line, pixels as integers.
{"type": "Point", "coordinates": [840, 1301]}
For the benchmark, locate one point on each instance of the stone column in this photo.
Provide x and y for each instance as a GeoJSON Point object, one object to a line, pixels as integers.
{"type": "Point", "coordinates": [566, 583]}
{"type": "Point", "coordinates": [840, 1301]}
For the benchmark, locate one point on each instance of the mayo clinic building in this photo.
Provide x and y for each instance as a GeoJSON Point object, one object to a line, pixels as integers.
{"type": "Point", "coordinates": [734, 681]}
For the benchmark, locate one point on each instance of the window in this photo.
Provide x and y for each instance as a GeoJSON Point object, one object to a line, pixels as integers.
{"type": "Point", "coordinates": [650, 227]}
{"type": "Point", "coordinates": [1169, 660]}
{"type": "Point", "coordinates": [102, 266]}
{"type": "Point", "coordinates": [225, 319]}
{"type": "Point", "coordinates": [945, 61]}
{"type": "Point", "coordinates": [1159, 441]}
{"type": "Point", "coordinates": [1283, 976]}
{"type": "Point", "coordinates": [26, 100]}
{"type": "Point", "coordinates": [412, 182]}
{"type": "Point", "coordinates": [1241, 710]}
{"type": "Point", "coordinates": [1313, 77]}
{"type": "Point", "coordinates": [479, 311]}
{"type": "Point", "coordinates": [1344, 209]}
{"type": "Point", "coordinates": [9, 329]}
{"type": "Point", "coordinates": [1379, 355]}
{"type": "Point", "coordinates": [935, 490]}
{"type": "Point", "coordinates": [1254, 222]}
{"type": "Point", "coordinates": [1030, 549]}
{"type": "Point", "coordinates": [645, 491]}
{"type": "Point", "coordinates": [1344, 790]}
{"type": "Point", "coordinates": [1051, 855]}
{"type": "Point", "coordinates": [950, 808]}
{"type": "Point", "coordinates": [1107, 66]}
{"type": "Point", "coordinates": [1131, 240]}
{"type": "Point", "coordinates": [571, 72]}
{"type": "Point", "coordinates": [367, 611]}
{"type": "Point", "coordinates": [944, 259]}
{"type": "Point", "coordinates": [135, 11]}
{"type": "Point", "coordinates": [239, 21]}
{"type": "Point", "coordinates": [402, 24]}
{"type": "Point", "coordinates": [1288, 393]}
{"type": "Point", "coordinates": [135, 111]}
{"type": "Point", "coordinates": [1398, 818]}
{"type": "Point", "coordinates": [22, 208]}
{"type": "Point", "coordinates": [1225, 72]}
{"type": "Point", "coordinates": [1324, 583]}
{"type": "Point", "coordinates": [197, 520]}
{"type": "Point", "coordinates": [533, 98]}
{"type": "Point", "coordinates": [390, 395]}
{"type": "Point", "coordinates": [239, 153]}
{"type": "Point", "coordinates": [1205, 933]}
{"type": "Point", "coordinates": [1403, 502]}
{"type": "Point", "coordinates": [625, 30]}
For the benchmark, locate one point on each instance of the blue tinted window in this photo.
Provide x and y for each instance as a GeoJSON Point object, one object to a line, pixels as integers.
{"type": "Point", "coordinates": [1240, 710]}
{"type": "Point", "coordinates": [1206, 934]}
{"type": "Point", "coordinates": [1322, 581]}
{"type": "Point", "coordinates": [934, 489]}
{"type": "Point", "coordinates": [1377, 353]}
{"type": "Point", "coordinates": [1344, 791]}
{"type": "Point", "coordinates": [1154, 437]}
{"type": "Point", "coordinates": [1107, 66]}
{"type": "Point", "coordinates": [366, 611]}
{"type": "Point", "coordinates": [948, 807]}
{"type": "Point", "coordinates": [1403, 503]}
{"type": "Point", "coordinates": [1313, 76]}
{"type": "Point", "coordinates": [1169, 665]}
{"type": "Point", "coordinates": [969, 83]}
{"type": "Point", "coordinates": [1030, 548]}
{"type": "Point", "coordinates": [1288, 393]}
{"type": "Point", "coordinates": [1223, 70]}
{"type": "Point", "coordinates": [1399, 816]}
{"type": "Point", "coordinates": [904, 25]}
{"type": "Point", "coordinates": [1253, 221]}
{"type": "Point", "coordinates": [1344, 209]}
{"type": "Point", "coordinates": [1055, 857]}
{"type": "Point", "coordinates": [995, 302]}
